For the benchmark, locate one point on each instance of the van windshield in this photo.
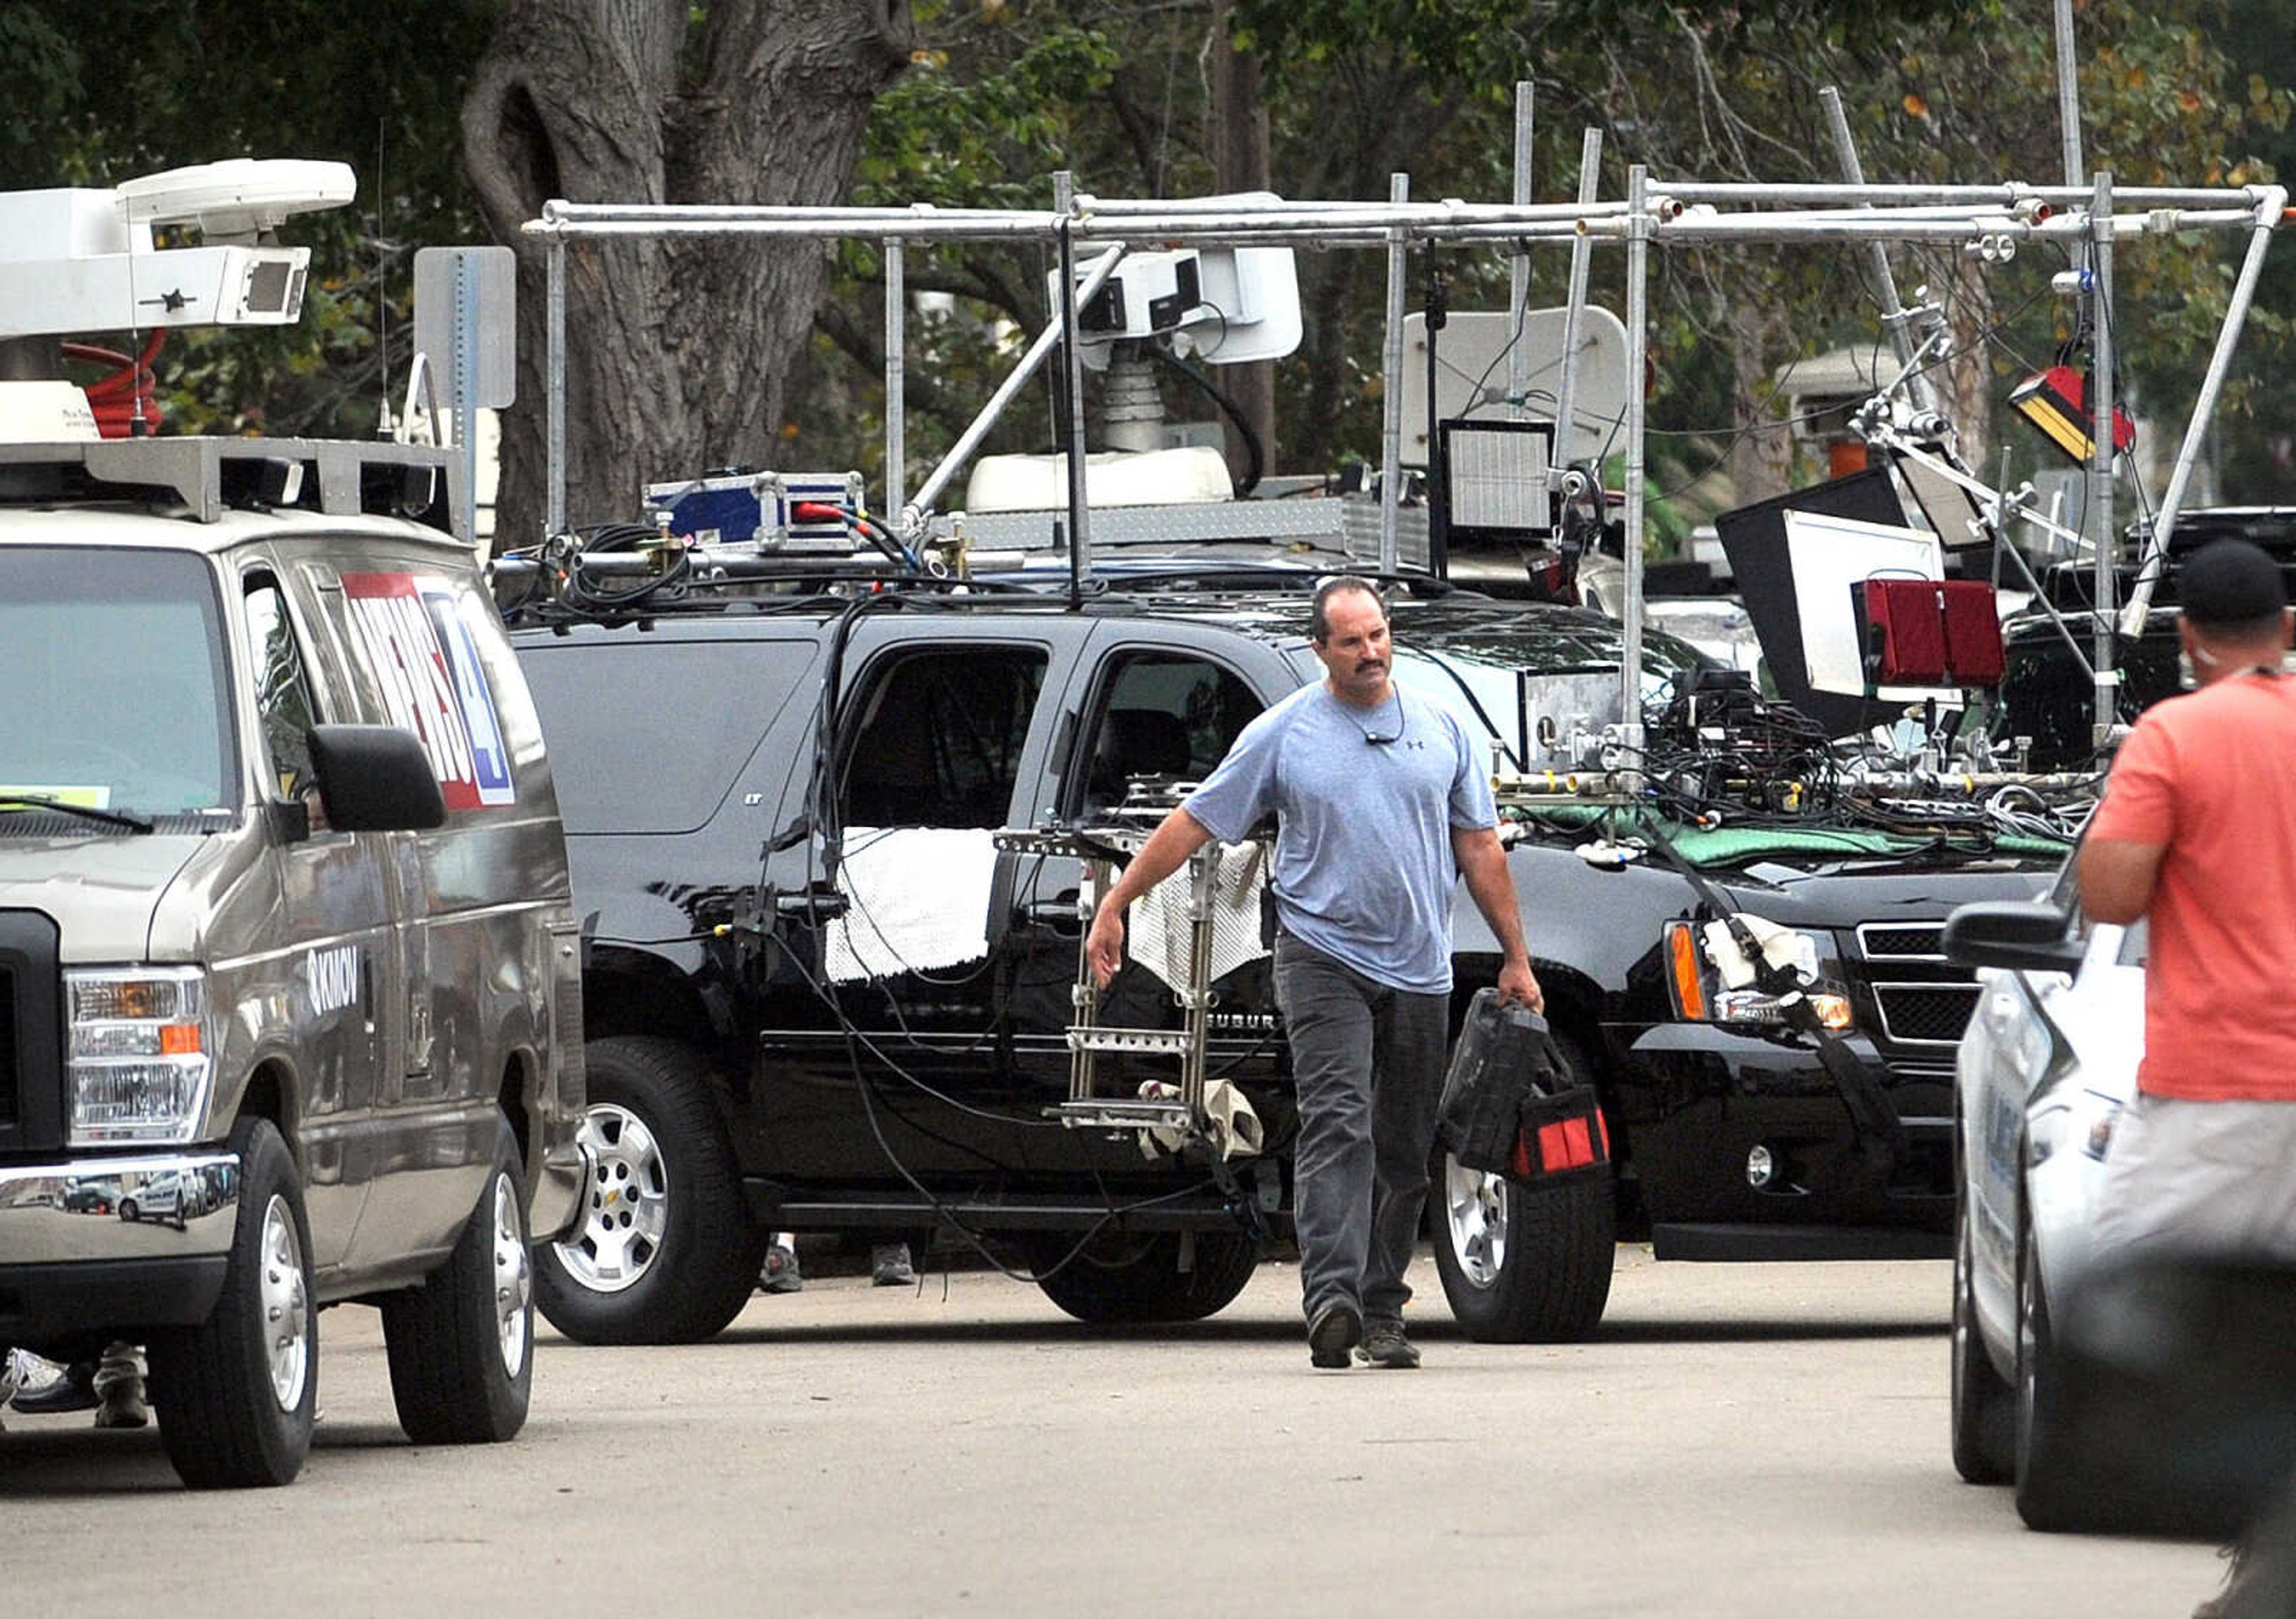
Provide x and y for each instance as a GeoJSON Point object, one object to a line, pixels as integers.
{"type": "Point", "coordinates": [114, 695]}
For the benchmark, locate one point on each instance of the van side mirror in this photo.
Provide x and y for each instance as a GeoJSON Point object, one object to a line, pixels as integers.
{"type": "Point", "coordinates": [2027, 933]}
{"type": "Point", "coordinates": [375, 778]}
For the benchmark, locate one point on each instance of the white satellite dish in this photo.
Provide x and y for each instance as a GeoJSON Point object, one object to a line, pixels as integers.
{"type": "Point", "coordinates": [238, 199]}
{"type": "Point", "coordinates": [1472, 376]}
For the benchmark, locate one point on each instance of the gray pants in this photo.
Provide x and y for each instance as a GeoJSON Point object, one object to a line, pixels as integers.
{"type": "Point", "coordinates": [1367, 1063]}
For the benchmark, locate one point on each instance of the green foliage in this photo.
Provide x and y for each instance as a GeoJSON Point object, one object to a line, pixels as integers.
{"type": "Point", "coordinates": [44, 69]}
{"type": "Point", "coordinates": [989, 138]}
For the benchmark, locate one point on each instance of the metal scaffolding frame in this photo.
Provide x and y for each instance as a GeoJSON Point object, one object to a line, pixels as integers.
{"type": "Point", "coordinates": [1655, 212]}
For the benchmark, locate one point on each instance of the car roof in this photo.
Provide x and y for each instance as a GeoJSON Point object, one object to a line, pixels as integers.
{"type": "Point", "coordinates": [1428, 615]}
{"type": "Point", "coordinates": [128, 526]}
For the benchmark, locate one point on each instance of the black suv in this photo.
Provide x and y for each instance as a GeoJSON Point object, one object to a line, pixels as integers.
{"type": "Point", "coordinates": [772, 1047]}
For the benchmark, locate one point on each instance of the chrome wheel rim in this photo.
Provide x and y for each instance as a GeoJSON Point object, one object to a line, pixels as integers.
{"type": "Point", "coordinates": [513, 1277]}
{"type": "Point", "coordinates": [1475, 1211]}
{"type": "Point", "coordinates": [286, 1305]}
{"type": "Point", "coordinates": [627, 1206]}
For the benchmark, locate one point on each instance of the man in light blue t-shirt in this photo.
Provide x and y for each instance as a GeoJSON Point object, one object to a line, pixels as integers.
{"type": "Point", "coordinates": [1381, 799]}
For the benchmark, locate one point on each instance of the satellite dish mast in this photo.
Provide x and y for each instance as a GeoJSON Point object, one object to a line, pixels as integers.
{"type": "Point", "coordinates": [77, 260]}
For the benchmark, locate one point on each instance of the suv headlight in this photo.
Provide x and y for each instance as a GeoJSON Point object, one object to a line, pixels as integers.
{"type": "Point", "coordinates": [140, 1068]}
{"type": "Point", "coordinates": [1700, 995]}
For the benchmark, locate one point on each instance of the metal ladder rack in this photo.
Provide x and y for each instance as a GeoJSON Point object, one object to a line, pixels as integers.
{"type": "Point", "coordinates": [1089, 1037]}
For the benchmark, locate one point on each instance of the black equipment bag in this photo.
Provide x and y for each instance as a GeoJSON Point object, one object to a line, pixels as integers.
{"type": "Point", "coordinates": [1508, 1108]}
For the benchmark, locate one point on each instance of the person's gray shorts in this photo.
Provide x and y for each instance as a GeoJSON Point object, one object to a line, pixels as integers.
{"type": "Point", "coordinates": [2199, 1178]}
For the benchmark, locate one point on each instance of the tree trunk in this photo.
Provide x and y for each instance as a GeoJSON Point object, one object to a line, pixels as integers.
{"type": "Point", "coordinates": [1240, 163]}
{"type": "Point", "coordinates": [30, 360]}
{"type": "Point", "coordinates": [1965, 383]}
{"type": "Point", "coordinates": [1761, 460]}
{"type": "Point", "coordinates": [677, 349]}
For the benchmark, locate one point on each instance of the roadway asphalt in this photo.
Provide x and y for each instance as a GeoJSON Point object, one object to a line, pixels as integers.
{"type": "Point", "coordinates": [1736, 1440]}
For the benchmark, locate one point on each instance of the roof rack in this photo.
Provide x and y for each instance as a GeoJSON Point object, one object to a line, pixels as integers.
{"type": "Point", "coordinates": [209, 476]}
{"type": "Point", "coordinates": [1988, 222]}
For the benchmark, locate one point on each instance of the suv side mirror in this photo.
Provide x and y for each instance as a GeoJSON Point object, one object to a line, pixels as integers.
{"type": "Point", "coordinates": [375, 778]}
{"type": "Point", "coordinates": [2029, 933]}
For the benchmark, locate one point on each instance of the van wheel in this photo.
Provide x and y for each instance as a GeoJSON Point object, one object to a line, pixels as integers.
{"type": "Point", "coordinates": [462, 1346]}
{"type": "Point", "coordinates": [1128, 1279]}
{"type": "Point", "coordinates": [1522, 1265]}
{"type": "Point", "coordinates": [237, 1393]}
{"type": "Point", "coordinates": [665, 1251]}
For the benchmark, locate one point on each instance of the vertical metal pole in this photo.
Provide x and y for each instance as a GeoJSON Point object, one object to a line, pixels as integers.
{"type": "Point", "coordinates": [2069, 112]}
{"type": "Point", "coordinates": [1072, 361]}
{"type": "Point", "coordinates": [554, 520]}
{"type": "Point", "coordinates": [896, 333]}
{"type": "Point", "coordinates": [2067, 94]}
{"type": "Point", "coordinates": [1566, 393]}
{"type": "Point", "coordinates": [1390, 455]}
{"type": "Point", "coordinates": [2243, 292]}
{"type": "Point", "coordinates": [466, 395]}
{"type": "Point", "coordinates": [1893, 313]}
{"type": "Point", "coordinates": [1518, 267]}
{"type": "Point", "coordinates": [1630, 628]}
{"type": "Point", "coordinates": [2101, 451]}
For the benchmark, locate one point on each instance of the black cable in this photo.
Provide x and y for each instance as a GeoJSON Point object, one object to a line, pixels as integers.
{"type": "Point", "coordinates": [1253, 450]}
{"type": "Point", "coordinates": [865, 1085]}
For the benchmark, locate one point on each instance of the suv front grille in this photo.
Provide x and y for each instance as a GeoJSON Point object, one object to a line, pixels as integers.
{"type": "Point", "coordinates": [1924, 1013]}
{"type": "Point", "coordinates": [1902, 941]}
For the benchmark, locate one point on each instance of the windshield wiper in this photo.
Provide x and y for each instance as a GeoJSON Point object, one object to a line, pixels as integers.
{"type": "Point", "coordinates": [110, 818]}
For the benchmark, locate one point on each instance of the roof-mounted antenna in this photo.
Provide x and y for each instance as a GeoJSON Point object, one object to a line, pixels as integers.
{"type": "Point", "coordinates": [385, 427]}
{"type": "Point", "coordinates": [137, 427]}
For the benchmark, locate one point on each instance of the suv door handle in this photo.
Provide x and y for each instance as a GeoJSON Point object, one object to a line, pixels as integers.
{"type": "Point", "coordinates": [1058, 915]}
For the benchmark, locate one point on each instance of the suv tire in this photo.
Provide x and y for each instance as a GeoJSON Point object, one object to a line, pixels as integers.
{"type": "Point", "coordinates": [461, 1345]}
{"type": "Point", "coordinates": [1128, 1279]}
{"type": "Point", "coordinates": [1521, 1266]}
{"type": "Point", "coordinates": [237, 1394]}
{"type": "Point", "coordinates": [666, 1250]}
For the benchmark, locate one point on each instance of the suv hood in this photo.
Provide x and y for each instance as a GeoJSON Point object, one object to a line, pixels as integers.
{"type": "Point", "coordinates": [101, 887]}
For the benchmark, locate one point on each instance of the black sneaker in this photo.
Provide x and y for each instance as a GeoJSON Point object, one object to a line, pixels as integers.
{"type": "Point", "coordinates": [780, 1273]}
{"type": "Point", "coordinates": [1336, 1329]}
{"type": "Point", "coordinates": [889, 1267]}
{"type": "Point", "coordinates": [1384, 1344]}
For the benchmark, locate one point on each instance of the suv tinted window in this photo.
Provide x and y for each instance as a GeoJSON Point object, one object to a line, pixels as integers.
{"type": "Point", "coordinates": [1161, 714]}
{"type": "Point", "coordinates": [114, 693]}
{"type": "Point", "coordinates": [939, 738]}
{"type": "Point", "coordinates": [718, 697]}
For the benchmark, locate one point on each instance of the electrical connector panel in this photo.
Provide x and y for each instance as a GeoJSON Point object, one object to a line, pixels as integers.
{"type": "Point", "coordinates": [770, 514]}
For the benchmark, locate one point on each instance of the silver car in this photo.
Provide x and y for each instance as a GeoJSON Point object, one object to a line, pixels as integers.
{"type": "Point", "coordinates": [2047, 1063]}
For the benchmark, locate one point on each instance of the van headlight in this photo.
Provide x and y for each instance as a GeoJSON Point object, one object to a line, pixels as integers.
{"type": "Point", "coordinates": [1702, 995]}
{"type": "Point", "coordinates": [139, 1066]}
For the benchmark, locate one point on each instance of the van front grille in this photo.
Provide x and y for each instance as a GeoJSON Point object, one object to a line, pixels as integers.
{"type": "Point", "coordinates": [31, 1033]}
